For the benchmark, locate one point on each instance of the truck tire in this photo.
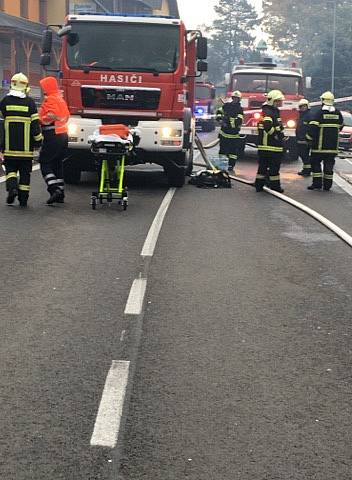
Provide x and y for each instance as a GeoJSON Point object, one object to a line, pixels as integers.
{"type": "Point", "coordinates": [176, 177]}
{"type": "Point", "coordinates": [72, 172]}
{"type": "Point", "coordinates": [176, 171]}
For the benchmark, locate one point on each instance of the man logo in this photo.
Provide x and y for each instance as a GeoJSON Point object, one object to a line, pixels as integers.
{"type": "Point", "coordinates": [124, 97]}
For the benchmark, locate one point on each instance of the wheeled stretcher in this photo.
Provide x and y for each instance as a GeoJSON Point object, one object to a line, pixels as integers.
{"type": "Point", "coordinates": [112, 145]}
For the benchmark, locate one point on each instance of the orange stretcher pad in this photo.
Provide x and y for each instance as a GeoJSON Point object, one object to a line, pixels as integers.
{"type": "Point", "coordinates": [115, 129]}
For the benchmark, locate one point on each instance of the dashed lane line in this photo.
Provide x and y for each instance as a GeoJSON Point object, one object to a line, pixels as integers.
{"type": "Point", "coordinates": [134, 305]}
{"type": "Point", "coordinates": [107, 423]}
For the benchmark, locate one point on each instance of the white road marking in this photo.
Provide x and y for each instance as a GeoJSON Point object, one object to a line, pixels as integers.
{"type": "Point", "coordinates": [348, 161]}
{"type": "Point", "coordinates": [3, 178]}
{"type": "Point", "coordinates": [153, 234]}
{"type": "Point", "coordinates": [107, 423]}
{"type": "Point", "coordinates": [342, 183]}
{"type": "Point", "coordinates": [135, 300]}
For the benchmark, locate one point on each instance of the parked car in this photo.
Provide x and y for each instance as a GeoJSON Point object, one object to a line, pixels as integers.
{"type": "Point", "coordinates": [345, 135]}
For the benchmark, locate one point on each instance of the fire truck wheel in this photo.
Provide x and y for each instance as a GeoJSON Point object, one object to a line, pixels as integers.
{"type": "Point", "coordinates": [72, 173]}
{"type": "Point", "coordinates": [175, 175]}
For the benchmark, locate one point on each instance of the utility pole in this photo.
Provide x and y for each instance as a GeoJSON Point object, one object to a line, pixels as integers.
{"type": "Point", "coordinates": [333, 48]}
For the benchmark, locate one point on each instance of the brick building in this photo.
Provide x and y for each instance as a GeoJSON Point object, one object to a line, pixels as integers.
{"type": "Point", "coordinates": [23, 21]}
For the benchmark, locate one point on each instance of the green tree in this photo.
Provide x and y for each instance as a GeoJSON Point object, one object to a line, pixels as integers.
{"type": "Point", "coordinates": [305, 30]}
{"type": "Point", "coordinates": [231, 36]}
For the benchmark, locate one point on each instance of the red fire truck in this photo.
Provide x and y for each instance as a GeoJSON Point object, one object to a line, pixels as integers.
{"type": "Point", "coordinates": [255, 80]}
{"type": "Point", "coordinates": [135, 70]}
{"type": "Point", "coordinates": [204, 108]}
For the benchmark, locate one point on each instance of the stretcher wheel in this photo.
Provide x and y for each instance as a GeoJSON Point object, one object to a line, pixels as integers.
{"type": "Point", "coordinates": [124, 205]}
{"type": "Point", "coordinates": [94, 203]}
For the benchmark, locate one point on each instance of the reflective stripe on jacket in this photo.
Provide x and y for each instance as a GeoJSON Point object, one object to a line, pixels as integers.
{"type": "Point", "coordinates": [232, 119]}
{"type": "Point", "coordinates": [323, 131]}
{"type": "Point", "coordinates": [270, 130]}
{"type": "Point", "coordinates": [21, 126]}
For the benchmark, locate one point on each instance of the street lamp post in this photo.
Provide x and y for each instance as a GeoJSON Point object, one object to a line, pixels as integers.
{"type": "Point", "coordinates": [333, 49]}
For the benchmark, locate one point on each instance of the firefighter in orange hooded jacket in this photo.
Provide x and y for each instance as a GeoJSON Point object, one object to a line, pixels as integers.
{"type": "Point", "coordinates": [54, 115]}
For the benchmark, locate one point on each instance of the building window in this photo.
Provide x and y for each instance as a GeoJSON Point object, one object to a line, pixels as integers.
{"type": "Point", "coordinates": [24, 9]}
{"type": "Point", "coordinates": [43, 11]}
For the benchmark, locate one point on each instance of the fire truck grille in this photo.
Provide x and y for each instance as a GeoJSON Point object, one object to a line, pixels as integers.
{"type": "Point", "coordinates": [120, 98]}
{"type": "Point", "coordinates": [255, 104]}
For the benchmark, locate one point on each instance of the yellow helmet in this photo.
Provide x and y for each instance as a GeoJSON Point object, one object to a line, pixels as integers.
{"type": "Point", "coordinates": [303, 102]}
{"type": "Point", "coordinates": [236, 94]}
{"type": "Point", "coordinates": [274, 95]}
{"type": "Point", "coordinates": [19, 82]}
{"type": "Point", "coordinates": [327, 98]}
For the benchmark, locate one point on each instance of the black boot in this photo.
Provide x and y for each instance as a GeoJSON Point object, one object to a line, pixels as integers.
{"type": "Point", "coordinates": [62, 198]}
{"type": "Point", "coordinates": [313, 187]}
{"type": "Point", "coordinates": [304, 173]}
{"type": "Point", "coordinates": [278, 189]}
{"type": "Point", "coordinates": [11, 196]}
{"type": "Point", "coordinates": [54, 197]}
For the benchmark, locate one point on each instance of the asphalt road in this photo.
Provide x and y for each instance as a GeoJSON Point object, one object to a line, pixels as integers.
{"type": "Point", "coordinates": [240, 359]}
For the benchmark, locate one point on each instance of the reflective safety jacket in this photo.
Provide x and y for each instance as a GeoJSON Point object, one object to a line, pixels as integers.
{"type": "Point", "coordinates": [231, 114]}
{"type": "Point", "coordinates": [323, 131]}
{"type": "Point", "coordinates": [270, 130]}
{"type": "Point", "coordinates": [54, 113]}
{"type": "Point", "coordinates": [21, 126]}
{"type": "Point", "coordinates": [302, 126]}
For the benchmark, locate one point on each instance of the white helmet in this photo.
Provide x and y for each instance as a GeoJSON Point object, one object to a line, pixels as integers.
{"type": "Point", "coordinates": [236, 94]}
{"type": "Point", "coordinates": [19, 82]}
{"type": "Point", "coordinates": [303, 102]}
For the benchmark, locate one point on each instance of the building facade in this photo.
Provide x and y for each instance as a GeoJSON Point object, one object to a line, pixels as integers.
{"type": "Point", "coordinates": [21, 26]}
{"type": "Point", "coordinates": [22, 23]}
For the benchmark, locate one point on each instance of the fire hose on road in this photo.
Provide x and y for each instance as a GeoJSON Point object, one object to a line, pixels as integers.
{"type": "Point", "coordinates": [300, 206]}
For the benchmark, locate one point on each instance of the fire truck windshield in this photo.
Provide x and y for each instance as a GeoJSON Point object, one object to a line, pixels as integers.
{"type": "Point", "coordinates": [202, 92]}
{"type": "Point", "coordinates": [124, 47]}
{"type": "Point", "coordinates": [263, 83]}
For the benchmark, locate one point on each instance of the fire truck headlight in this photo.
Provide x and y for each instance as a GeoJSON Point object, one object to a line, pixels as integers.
{"type": "Point", "coordinates": [168, 132]}
{"type": "Point", "coordinates": [72, 129]}
{"type": "Point", "coordinates": [257, 115]}
{"type": "Point", "coordinates": [291, 124]}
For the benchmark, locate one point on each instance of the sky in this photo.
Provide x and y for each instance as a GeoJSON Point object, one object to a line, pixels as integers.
{"type": "Point", "coordinates": [199, 12]}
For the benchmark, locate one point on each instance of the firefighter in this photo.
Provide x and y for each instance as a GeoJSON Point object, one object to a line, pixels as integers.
{"type": "Point", "coordinates": [21, 135]}
{"type": "Point", "coordinates": [323, 134]}
{"type": "Point", "coordinates": [270, 143]}
{"type": "Point", "coordinates": [231, 116]}
{"type": "Point", "coordinates": [303, 146]}
{"type": "Point", "coordinates": [54, 116]}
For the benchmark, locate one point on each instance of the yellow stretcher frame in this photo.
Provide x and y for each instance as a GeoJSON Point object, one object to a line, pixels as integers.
{"type": "Point", "coordinates": [107, 192]}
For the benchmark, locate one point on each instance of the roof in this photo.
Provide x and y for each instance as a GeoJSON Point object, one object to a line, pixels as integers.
{"type": "Point", "coordinates": [268, 71]}
{"type": "Point", "coordinates": [123, 19]}
{"type": "Point", "coordinates": [21, 24]}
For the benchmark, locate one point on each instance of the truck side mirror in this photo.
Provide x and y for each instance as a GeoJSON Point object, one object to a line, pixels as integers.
{"type": "Point", "coordinates": [47, 41]}
{"type": "Point", "coordinates": [45, 59]}
{"type": "Point", "coordinates": [202, 66]}
{"type": "Point", "coordinates": [202, 48]}
{"type": "Point", "coordinates": [308, 82]}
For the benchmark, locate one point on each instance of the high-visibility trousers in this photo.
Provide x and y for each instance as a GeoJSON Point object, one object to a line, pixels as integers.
{"type": "Point", "coordinates": [18, 176]}
{"type": "Point", "coordinates": [52, 154]}
{"type": "Point", "coordinates": [268, 170]}
{"type": "Point", "coordinates": [322, 178]}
